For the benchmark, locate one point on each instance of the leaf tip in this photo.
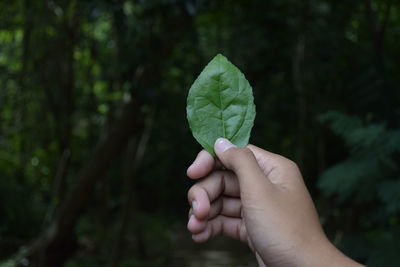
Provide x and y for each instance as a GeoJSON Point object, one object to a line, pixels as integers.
{"type": "Point", "coordinates": [219, 56]}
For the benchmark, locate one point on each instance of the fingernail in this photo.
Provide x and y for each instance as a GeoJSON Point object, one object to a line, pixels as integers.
{"type": "Point", "coordinates": [194, 204]}
{"type": "Point", "coordinates": [222, 145]}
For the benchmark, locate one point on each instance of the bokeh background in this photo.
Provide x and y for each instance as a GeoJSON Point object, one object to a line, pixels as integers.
{"type": "Point", "coordinates": [94, 142]}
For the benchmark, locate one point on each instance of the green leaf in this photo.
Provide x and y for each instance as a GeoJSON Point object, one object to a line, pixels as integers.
{"type": "Point", "coordinates": [221, 104]}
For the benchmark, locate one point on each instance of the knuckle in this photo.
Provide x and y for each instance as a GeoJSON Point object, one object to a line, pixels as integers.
{"type": "Point", "coordinates": [245, 150]}
{"type": "Point", "coordinates": [240, 152]}
{"type": "Point", "coordinates": [290, 164]}
{"type": "Point", "coordinates": [287, 163]}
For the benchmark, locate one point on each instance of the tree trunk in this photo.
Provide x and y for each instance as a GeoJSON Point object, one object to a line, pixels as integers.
{"type": "Point", "coordinates": [56, 244]}
{"type": "Point", "coordinates": [135, 154]}
{"type": "Point", "coordinates": [298, 80]}
{"type": "Point", "coordinates": [299, 76]}
{"type": "Point", "coordinates": [26, 43]}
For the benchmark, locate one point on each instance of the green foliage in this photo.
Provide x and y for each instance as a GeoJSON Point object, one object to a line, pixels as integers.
{"type": "Point", "coordinates": [68, 67]}
{"type": "Point", "coordinates": [368, 181]}
{"type": "Point", "coordinates": [220, 104]}
{"type": "Point", "coordinates": [8, 263]}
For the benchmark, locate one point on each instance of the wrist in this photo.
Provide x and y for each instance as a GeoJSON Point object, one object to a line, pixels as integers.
{"type": "Point", "coordinates": [324, 253]}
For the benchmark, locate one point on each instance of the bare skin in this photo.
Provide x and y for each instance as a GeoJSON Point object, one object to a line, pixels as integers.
{"type": "Point", "coordinates": [259, 198]}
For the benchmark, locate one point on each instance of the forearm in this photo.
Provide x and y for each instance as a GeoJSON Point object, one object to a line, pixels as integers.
{"type": "Point", "coordinates": [321, 253]}
{"type": "Point", "coordinates": [324, 253]}
{"type": "Point", "coordinates": [332, 257]}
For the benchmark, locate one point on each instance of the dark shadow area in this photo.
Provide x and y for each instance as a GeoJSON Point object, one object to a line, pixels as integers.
{"type": "Point", "coordinates": [94, 141]}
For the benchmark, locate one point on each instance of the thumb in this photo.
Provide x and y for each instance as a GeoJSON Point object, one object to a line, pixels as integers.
{"type": "Point", "coordinates": [243, 163]}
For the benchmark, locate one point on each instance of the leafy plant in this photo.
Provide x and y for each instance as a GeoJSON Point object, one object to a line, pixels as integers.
{"type": "Point", "coordinates": [371, 169]}
{"type": "Point", "coordinates": [367, 186]}
{"type": "Point", "coordinates": [220, 104]}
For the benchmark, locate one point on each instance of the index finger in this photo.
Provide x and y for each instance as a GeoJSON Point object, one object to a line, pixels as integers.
{"type": "Point", "coordinates": [202, 165]}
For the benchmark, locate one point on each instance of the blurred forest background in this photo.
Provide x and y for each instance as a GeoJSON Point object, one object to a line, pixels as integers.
{"type": "Point", "coordinates": [94, 142]}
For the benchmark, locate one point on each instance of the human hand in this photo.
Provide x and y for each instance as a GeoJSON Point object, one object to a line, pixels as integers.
{"type": "Point", "coordinates": [260, 199]}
